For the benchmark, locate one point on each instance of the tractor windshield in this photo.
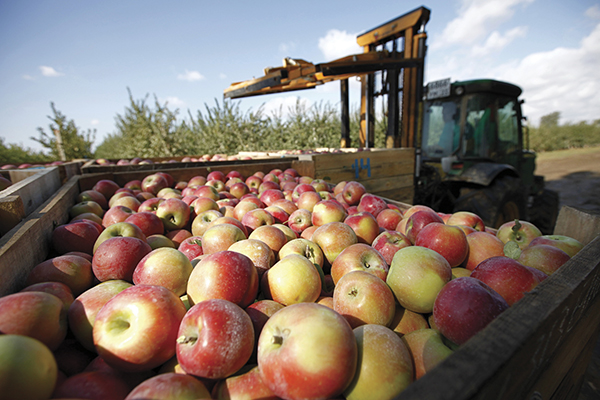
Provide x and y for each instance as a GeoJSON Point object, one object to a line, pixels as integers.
{"type": "Point", "coordinates": [441, 128]}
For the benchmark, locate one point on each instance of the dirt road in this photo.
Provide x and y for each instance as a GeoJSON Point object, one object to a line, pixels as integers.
{"type": "Point", "coordinates": [575, 175]}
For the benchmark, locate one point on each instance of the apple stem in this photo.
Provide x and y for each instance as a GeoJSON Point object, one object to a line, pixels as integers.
{"type": "Point", "coordinates": [278, 340]}
{"type": "Point", "coordinates": [186, 339]}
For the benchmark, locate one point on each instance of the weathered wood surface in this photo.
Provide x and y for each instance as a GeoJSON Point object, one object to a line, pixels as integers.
{"type": "Point", "coordinates": [579, 224]}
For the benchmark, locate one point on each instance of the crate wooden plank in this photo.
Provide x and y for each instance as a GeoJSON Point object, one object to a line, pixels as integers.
{"type": "Point", "coordinates": [12, 211]}
{"type": "Point", "coordinates": [345, 173]}
{"type": "Point", "coordinates": [514, 355]}
{"type": "Point", "coordinates": [579, 224]}
{"type": "Point", "coordinates": [334, 161]}
{"type": "Point", "coordinates": [28, 243]}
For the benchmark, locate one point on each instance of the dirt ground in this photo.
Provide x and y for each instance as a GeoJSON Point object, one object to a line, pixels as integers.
{"type": "Point", "coordinates": [575, 175]}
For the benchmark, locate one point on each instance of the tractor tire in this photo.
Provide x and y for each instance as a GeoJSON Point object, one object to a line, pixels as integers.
{"type": "Point", "coordinates": [544, 211]}
{"type": "Point", "coordinates": [505, 199]}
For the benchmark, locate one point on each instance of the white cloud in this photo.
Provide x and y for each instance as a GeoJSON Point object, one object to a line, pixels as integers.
{"type": "Point", "coordinates": [593, 12]}
{"type": "Point", "coordinates": [190, 76]}
{"type": "Point", "coordinates": [336, 44]}
{"type": "Point", "coordinates": [174, 101]}
{"type": "Point", "coordinates": [564, 79]}
{"type": "Point", "coordinates": [283, 105]}
{"type": "Point", "coordinates": [28, 77]}
{"type": "Point", "coordinates": [49, 71]}
{"type": "Point", "coordinates": [95, 122]}
{"type": "Point", "coordinates": [476, 19]}
{"type": "Point", "coordinates": [222, 76]}
{"type": "Point", "coordinates": [496, 41]}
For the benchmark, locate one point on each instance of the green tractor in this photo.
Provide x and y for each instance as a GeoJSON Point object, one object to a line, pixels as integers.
{"type": "Point", "coordinates": [474, 155]}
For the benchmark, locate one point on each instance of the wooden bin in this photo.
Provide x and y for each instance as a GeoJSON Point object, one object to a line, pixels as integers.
{"type": "Point", "coordinates": [537, 349]}
{"type": "Point", "coordinates": [385, 172]}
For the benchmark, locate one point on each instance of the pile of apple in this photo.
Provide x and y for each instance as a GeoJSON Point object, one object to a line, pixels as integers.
{"type": "Point", "coordinates": [268, 286]}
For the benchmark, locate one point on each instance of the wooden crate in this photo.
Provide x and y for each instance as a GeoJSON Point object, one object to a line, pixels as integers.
{"type": "Point", "coordinates": [537, 349]}
{"type": "Point", "coordinates": [29, 190]}
{"type": "Point", "coordinates": [384, 172]}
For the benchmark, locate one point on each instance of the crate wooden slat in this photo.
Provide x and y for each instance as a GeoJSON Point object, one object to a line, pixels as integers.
{"type": "Point", "coordinates": [25, 195]}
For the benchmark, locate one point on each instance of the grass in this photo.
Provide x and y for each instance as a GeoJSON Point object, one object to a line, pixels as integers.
{"type": "Point", "coordinates": [558, 154]}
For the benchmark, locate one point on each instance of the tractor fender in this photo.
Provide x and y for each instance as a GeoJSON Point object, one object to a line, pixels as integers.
{"type": "Point", "coordinates": [484, 173]}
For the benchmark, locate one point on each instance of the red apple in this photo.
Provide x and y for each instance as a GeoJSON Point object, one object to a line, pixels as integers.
{"type": "Point", "coordinates": [215, 339]}
{"type": "Point", "coordinates": [219, 237]}
{"type": "Point", "coordinates": [216, 175]}
{"type": "Point", "coordinates": [546, 258]}
{"type": "Point", "coordinates": [307, 350]}
{"type": "Point", "coordinates": [464, 307]}
{"type": "Point", "coordinates": [191, 247]}
{"type": "Point", "coordinates": [154, 183]}
{"type": "Point", "coordinates": [327, 211]}
{"type": "Point", "coordinates": [427, 348]}
{"type": "Point", "coordinates": [363, 298]}
{"type": "Point", "coordinates": [482, 245]}
{"type": "Point", "coordinates": [372, 204]}
{"type": "Point", "coordinates": [75, 236]}
{"type": "Point", "coordinates": [388, 242]}
{"type": "Point", "coordinates": [93, 195]}
{"type": "Point", "coordinates": [466, 218]}
{"type": "Point", "coordinates": [74, 271]}
{"type": "Point", "coordinates": [248, 384]}
{"type": "Point", "coordinates": [522, 232]}
{"type": "Point", "coordinates": [116, 214]}
{"type": "Point", "coordinates": [255, 218]}
{"type": "Point", "coordinates": [178, 235]}
{"type": "Point", "coordinates": [304, 247]}
{"type": "Point", "coordinates": [567, 244]}
{"type": "Point", "coordinates": [58, 289]}
{"type": "Point", "coordinates": [449, 241]}
{"type": "Point", "coordinates": [174, 213]}
{"type": "Point", "coordinates": [92, 385]}
{"type": "Point", "coordinates": [406, 321]}
{"type": "Point", "coordinates": [352, 192]}
{"type": "Point", "coordinates": [203, 220]}
{"type": "Point", "coordinates": [224, 275]}
{"type": "Point", "coordinates": [117, 258]}
{"type": "Point", "coordinates": [207, 191]}
{"type": "Point", "coordinates": [332, 238]}
{"type": "Point", "coordinates": [389, 218]}
{"type": "Point", "coordinates": [299, 220]}
{"type": "Point", "coordinates": [258, 251]}
{"type": "Point", "coordinates": [165, 267]}
{"type": "Point", "coordinates": [417, 221]}
{"type": "Point", "coordinates": [149, 223]}
{"type": "Point", "coordinates": [86, 207]}
{"type": "Point", "coordinates": [150, 204]}
{"type": "Point", "coordinates": [137, 329]}
{"type": "Point", "coordinates": [508, 277]}
{"type": "Point", "coordinates": [107, 187]}
{"type": "Point", "coordinates": [271, 235]}
{"type": "Point", "coordinates": [359, 257]}
{"type": "Point", "coordinates": [364, 225]}
{"type": "Point", "coordinates": [170, 385]}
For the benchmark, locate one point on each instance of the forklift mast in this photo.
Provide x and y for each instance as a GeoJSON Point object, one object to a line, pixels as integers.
{"type": "Point", "coordinates": [402, 66]}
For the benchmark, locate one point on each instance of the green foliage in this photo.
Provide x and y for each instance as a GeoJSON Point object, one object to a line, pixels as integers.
{"type": "Point", "coordinates": [75, 143]}
{"type": "Point", "coordinates": [551, 136]}
{"type": "Point", "coordinates": [16, 154]}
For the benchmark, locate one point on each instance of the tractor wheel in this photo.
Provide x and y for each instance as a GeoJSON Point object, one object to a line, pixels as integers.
{"type": "Point", "coordinates": [544, 211]}
{"type": "Point", "coordinates": [504, 200]}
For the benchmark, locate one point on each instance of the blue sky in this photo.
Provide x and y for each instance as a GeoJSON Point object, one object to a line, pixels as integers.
{"type": "Point", "coordinates": [84, 55]}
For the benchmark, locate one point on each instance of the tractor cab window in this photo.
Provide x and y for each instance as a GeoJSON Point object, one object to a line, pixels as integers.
{"type": "Point", "coordinates": [441, 128]}
{"type": "Point", "coordinates": [480, 127]}
{"type": "Point", "coordinates": [508, 126]}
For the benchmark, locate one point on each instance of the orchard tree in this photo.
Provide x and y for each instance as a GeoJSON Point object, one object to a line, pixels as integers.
{"type": "Point", "coordinates": [64, 140]}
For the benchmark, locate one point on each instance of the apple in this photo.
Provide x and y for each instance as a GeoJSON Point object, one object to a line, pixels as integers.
{"type": "Point", "coordinates": [388, 242]}
{"type": "Point", "coordinates": [389, 218]}
{"type": "Point", "coordinates": [197, 180]}
{"type": "Point", "coordinates": [165, 267]}
{"type": "Point", "coordinates": [75, 236]}
{"type": "Point", "coordinates": [359, 257]}
{"type": "Point", "coordinates": [259, 312]}
{"type": "Point", "coordinates": [352, 192]}
{"type": "Point", "coordinates": [58, 289]}
{"type": "Point", "coordinates": [271, 235]}
{"type": "Point", "coordinates": [92, 385]}
{"type": "Point", "coordinates": [82, 313]}
{"type": "Point", "coordinates": [203, 220]}
{"type": "Point", "coordinates": [239, 189]}
{"type": "Point", "coordinates": [86, 207]}
{"type": "Point", "coordinates": [247, 384]}
{"type": "Point", "coordinates": [27, 367]}
{"type": "Point", "coordinates": [117, 258]}
{"type": "Point", "coordinates": [339, 187]}
{"type": "Point", "coordinates": [327, 211]}
{"type": "Point", "coordinates": [227, 275]}
{"type": "Point", "coordinates": [332, 238]}
{"type": "Point", "coordinates": [107, 187]}
{"type": "Point", "coordinates": [243, 207]}
{"type": "Point", "coordinates": [269, 196]}
{"type": "Point", "coordinates": [482, 245]}
{"type": "Point", "coordinates": [116, 214]}
{"type": "Point", "coordinates": [174, 213]}
{"type": "Point", "coordinates": [219, 237]}
{"type": "Point", "coordinates": [301, 188]}
{"type": "Point", "coordinates": [544, 257]}
{"type": "Point", "coordinates": [136, 330]}
{"type": "Point", "coordinates": [150, 204]}
{"type": "Point", "coordinates": [38, 315]}
{"type": "Point", "coordinates": [170, 385]}
{"type": "Point", "coordinates": [307, 350]}
{"type": "Point", "coordinates": [201, 204]}
{"type": "Point", "coordinates": [364, 225]}
{"type": "Point", "coordinates": [253, 182]}
{"type": "Point", "coordinates": [299, 220]}
{"type": "Point", "coordinates": [134, 184]}
{"type": "Point", "coordinates": [286, 205]}
{"type": "Point", "coordinates": [216, 175]}
{"type": "Point", "coordinates": [308, 200]}
{"type": "Point", "coordinates": [372, 204]}
{"type": "Point", "coordinates": [219, 185]}
{"type": "Point", "coordinates": [308, 232]}
{"type": "Point", "coordinates": [215, 339]}
{"type": "Point", "coordinates": [508, 277]}
{"type": "Point", "coordinates": [427, 348]}
{"type": "Point", "coordinates": [567, 244]}
{"type": "Point", "coordinates": [255, 218]}
{"type": "Point", "coordinates": [304, 247]}
{"type": "Point", "coordinates": [417, 221]}
{"type": "Point", "coordinates": [448, 240]}
{"type": "Point", "coordinates": [320, 185]}
{"type": "Point", "coordinates": [258, 252]}
{"type": "Point", "coordinates": [178, 235]}
{"type": "Point", "coordinates": [93, 195]}
{"type": "Point", "coordinates": [416, 207]}
{"type": "Point", "coordinates": [279, 214]}
{"type": "Point", "coordinates": [287, 231]}
{"type": "Point", "coordinates": [363, 298]}
{"type": "Point", "coordinates": [74, 271]}
{"type": "Point", "coordinates": [191, 247]}
{"type": "Point", "coordinates": [231, 221]}
{"type": "Point", "coordinates": [522, 232]}
{"type": "Point", "coordinates": [158, 241]}
{"type": "Point", "coordinates": [119, 194]}
{"type": "Point", "coordinates": [466, 218]}
{"type": "Point", "coordinates": [464, 307]}
{"type": "Point", "coordinates": [207, 191]}
{"type": "Point", "coordinates": [89, 217]}
{"type": "Point", "coordinates": [406, 321]}
{"type": "Point", "coordinates": [268, 184]}
{"type": "Point", "coordinates": [293, 279]}
{"type": "Point", "coordinates": [149, 223]}
{"type": "Point", "coordinates": [154, 183]}
{"type": "Point", "coordinates": [416, 276]}
{"type": "Point", "coordinates": [385, 366]}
